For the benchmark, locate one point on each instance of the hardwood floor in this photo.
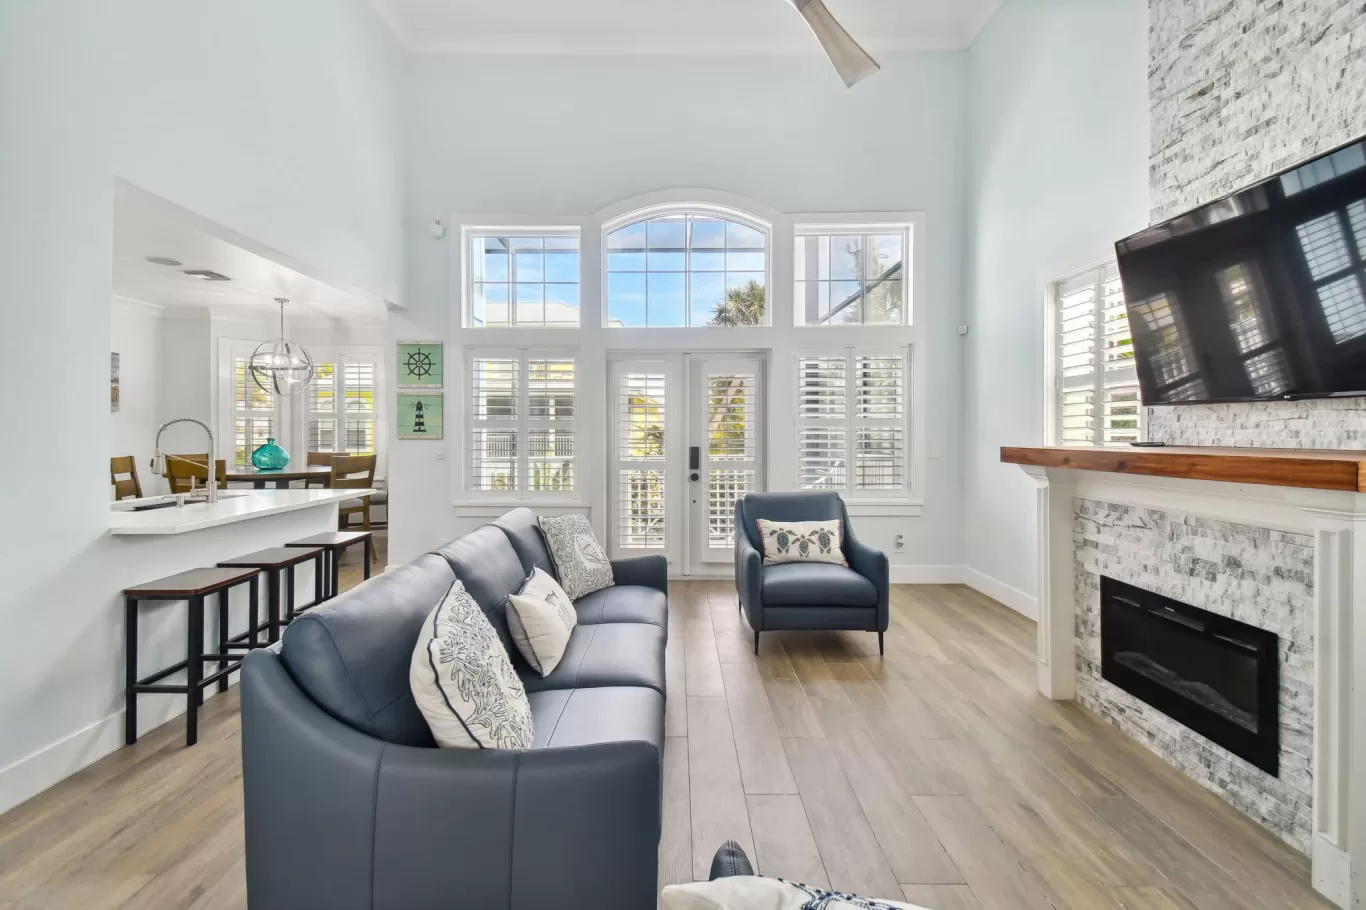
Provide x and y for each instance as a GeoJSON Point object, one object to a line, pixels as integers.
{"type": "Point", "coordinates": [935, 773]}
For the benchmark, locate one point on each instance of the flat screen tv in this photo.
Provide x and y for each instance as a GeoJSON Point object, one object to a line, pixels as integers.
{"type": "Point", "coordinates": [1258, 296]}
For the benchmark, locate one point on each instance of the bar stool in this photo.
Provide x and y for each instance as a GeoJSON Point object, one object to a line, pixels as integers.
{"type": "Point", "coordinates": [277, 563]}
{"type": "Point", "coordinates": [335, 542]}
{"type": "Point", "coordinates": [192, 586]}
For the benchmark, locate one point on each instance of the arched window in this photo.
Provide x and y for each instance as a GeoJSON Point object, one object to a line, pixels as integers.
{"type": "Point", "coordinates": [688, 268]}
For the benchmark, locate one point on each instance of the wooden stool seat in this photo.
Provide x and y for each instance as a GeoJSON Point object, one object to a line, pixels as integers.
{"type": "Point", "coordinates": [278, 563]}
{"type": "Point", "coordinates": [192, 587]}
{"type": "Point", "coordinates": [335, 543]}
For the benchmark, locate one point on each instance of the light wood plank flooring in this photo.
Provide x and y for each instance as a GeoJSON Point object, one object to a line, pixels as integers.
{"type": "Point", "coordinates": [935, 773]}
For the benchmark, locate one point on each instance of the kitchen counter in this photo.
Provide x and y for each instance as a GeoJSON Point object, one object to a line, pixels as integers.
{"type": "Point", "coordinates": [233, 506]}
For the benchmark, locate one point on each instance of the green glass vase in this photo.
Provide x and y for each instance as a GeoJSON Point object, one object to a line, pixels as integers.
{"type": "Point", "coordinates": [270, 457]}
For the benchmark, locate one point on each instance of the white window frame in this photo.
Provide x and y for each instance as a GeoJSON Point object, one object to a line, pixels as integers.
{"type": "Point", "coordinates": [908, 227]}
{"type": "Point", "coordinates": [1052, 361]}
{"type": "Point", "coordinates": [470, 231]}
{"type": "Point", "coordinates": [907, 493]}
{"type": "Point", "coordinates": [705, 210]}
{"type": "Point", "coordinates": [524, 424]}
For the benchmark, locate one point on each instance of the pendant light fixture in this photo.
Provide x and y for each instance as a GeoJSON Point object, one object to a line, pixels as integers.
{"type": "Point", "coordinates": [851, 61]}
{"type": "Point", "coordinates": [281, 367]}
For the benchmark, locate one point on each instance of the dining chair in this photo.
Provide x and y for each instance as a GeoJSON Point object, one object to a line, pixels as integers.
{"type": "Point", "coordinates": [129, 485]}
{"type": "Point", "coordinates": [317, 460]}
{"type": "Point", "coordinates": [182, 468]}
{"type": "Point", "coordinates": [355, 472]}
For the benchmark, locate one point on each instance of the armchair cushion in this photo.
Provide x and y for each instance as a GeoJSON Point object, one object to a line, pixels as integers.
{"type": "Point", "coordinates": [800, 584]}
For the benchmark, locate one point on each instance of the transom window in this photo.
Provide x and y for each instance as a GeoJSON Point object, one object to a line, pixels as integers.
{"type": "Point", "coordinates": [851, 276]}
{"type": "Point", "coordinates": [687, 270]}
{"type": "Point", "coordinates": [523, 280]}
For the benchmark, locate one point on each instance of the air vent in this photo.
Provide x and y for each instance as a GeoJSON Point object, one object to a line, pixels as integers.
{"type": "Point", "coordinates": [165, 260]}
{"type": "Point", "coordinates": [207, 274]}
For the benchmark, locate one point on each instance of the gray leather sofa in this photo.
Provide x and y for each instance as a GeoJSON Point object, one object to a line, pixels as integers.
{"type": "Point", "coordinates": [349, 805]}
{"type": "Point", "coordinates": [808, 595]}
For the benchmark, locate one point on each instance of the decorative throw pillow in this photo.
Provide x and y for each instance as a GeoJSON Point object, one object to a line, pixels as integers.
{"type": "Point", "coordinates": [464, 683]}
{"type": "Point", "coordinates": [579, 559]}
{"type": "Point", "coordinates": [745, 892]}
{"type": "Point", "coordinates": [540, 618]}
{"type": "Point", "coordinates": [802, 541]}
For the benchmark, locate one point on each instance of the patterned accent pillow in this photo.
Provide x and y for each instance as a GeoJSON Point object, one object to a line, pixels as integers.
{"type": "Point", "coordinates": [540, 618]}
{"type": "Point", "coordinates": [463, 681]}
{"type": "Point", "coordinates": [579, 559]}
{"type": "Point", "coordinates": [768, 893]}
{"type": "Point", "coordinates": [802, 541]}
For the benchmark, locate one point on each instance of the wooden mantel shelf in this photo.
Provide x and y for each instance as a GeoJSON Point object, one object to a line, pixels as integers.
{"type": "Point", "coordinates": [1313, 469]}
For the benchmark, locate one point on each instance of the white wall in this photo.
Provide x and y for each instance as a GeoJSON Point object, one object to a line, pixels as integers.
{"type": "Point", "coordinates": [573, 136]}
{"type": "Point", "coordinates": [276, 120]}
{"type": "Point", "coordinates": [1059, 156]}
{"type": "Point", "coordinates": [135, 333]}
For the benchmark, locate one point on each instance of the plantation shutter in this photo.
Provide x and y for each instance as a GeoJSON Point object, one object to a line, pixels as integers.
{"type": "Point", "coordinates": [322, 409]}
{"type": "Point", "coordinates": [550, 425]}
{"type": "Point", "coordinates": [822, 423]}
{"type": "Point", "coordinates": [852, 432]}
{"type": "Point", "coordinates": [732, 448]}
{"type": "Point", "coordinates": [358, 387]}
{"type": "Point", "coordinates": [880, 423]}
{"type": "Point", "coordinates": [253, 418]}
{"type": "Point", "coordinates": [494, 423]}
{"type": "Point", "coordinates": [1096, 385]}
{"type": "Point", "coordinates": [641, 422]}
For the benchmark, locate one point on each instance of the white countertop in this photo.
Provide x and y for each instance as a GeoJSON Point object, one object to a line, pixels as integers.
{"type": "Point", "coordinates": [242, 505]}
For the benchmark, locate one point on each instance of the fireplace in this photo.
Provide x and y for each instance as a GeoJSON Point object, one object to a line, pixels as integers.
{"type": "Point", "coordinates": [1218, 676]}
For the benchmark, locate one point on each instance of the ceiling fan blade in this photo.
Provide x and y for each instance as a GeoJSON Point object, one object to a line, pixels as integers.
{"type": "Point", "coordinates": [851, 61]}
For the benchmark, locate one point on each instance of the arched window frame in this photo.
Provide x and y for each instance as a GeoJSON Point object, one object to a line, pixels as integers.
{"type": "Point", "coordinates": [702, 209]}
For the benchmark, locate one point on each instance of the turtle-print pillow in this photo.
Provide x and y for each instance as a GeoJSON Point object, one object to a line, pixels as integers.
{"type": "Point", "coordinates": [802, 541]}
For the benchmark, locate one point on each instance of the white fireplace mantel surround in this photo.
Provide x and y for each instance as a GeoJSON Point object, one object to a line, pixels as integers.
{"type": "Point", "coordinates": [1336, 521]}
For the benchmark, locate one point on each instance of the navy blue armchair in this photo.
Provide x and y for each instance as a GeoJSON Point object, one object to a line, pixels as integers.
{"type": "Point", "coordinates": [807, 595]}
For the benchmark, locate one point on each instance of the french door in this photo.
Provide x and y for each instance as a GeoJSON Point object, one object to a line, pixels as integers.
{"type": "Point", "coordinates": [686, 441]}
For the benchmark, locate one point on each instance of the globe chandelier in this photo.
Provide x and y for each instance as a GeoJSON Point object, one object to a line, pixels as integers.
{"type": "Point", "coordinates": [281, 367]}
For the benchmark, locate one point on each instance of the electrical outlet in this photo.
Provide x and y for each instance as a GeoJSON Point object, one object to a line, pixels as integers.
{"type": "Point", "coordinates": [900, 542]}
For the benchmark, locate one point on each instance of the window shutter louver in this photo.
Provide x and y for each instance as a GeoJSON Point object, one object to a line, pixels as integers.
{"type": "Point", "coordinates": [495, 415]}
{"type": "Point", "coordinates": [855, 408]}
{"type": "Point", "coordinates": [523, 412]}
{"type": "Point", "coordinates": [641, 425]}
{"type": "Point", "coordinates": [1096, 394]}
{"type": "Point", "coordinates": [253, 414]}
{"type": "Point", "coordinates": [732, 469]}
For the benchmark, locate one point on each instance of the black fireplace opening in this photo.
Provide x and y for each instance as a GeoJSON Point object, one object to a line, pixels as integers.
{"type": "Point", "coordinates": [1218, 676]}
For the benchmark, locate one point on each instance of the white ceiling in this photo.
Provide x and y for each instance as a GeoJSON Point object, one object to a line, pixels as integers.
{"type": "Point", "coordinates": [147, 226]}
{"type": "Point", "coordinates": [674, 26]}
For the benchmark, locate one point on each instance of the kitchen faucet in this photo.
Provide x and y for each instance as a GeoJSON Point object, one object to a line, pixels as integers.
{"type": "Point", "coordinates": [211, 473]}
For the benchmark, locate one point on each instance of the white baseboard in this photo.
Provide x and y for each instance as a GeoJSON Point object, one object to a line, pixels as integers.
{"type": "Point", "coordinates": [926, 575]}
{"type": "Point", "coordinates": [50, 765]}
{"type": "Point", "coordinates": [1331, 871]}
{"type": "Point", "coordinates": [1017, 600]}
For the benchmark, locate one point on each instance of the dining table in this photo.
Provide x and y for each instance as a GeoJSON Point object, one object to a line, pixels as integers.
{"type": "Point", "coordinates": [280, 477]}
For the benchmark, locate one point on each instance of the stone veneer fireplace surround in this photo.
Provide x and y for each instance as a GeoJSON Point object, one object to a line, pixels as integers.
{"type": "Point", "coordinates": [1315, 535]}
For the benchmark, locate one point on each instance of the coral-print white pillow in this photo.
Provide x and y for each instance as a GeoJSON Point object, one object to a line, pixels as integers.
{"type": "Point", "coordinates": [802, 541]}
{"type": "Point", "coordinates": [463, 681]}
{"type": "Point", "coordinates": [580, 560]}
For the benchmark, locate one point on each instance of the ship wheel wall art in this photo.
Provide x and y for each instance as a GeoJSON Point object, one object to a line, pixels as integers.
{"type": "Point", "coordinates": [421, 365]}
{"type": "Point", "coordinates": [421, 369]}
